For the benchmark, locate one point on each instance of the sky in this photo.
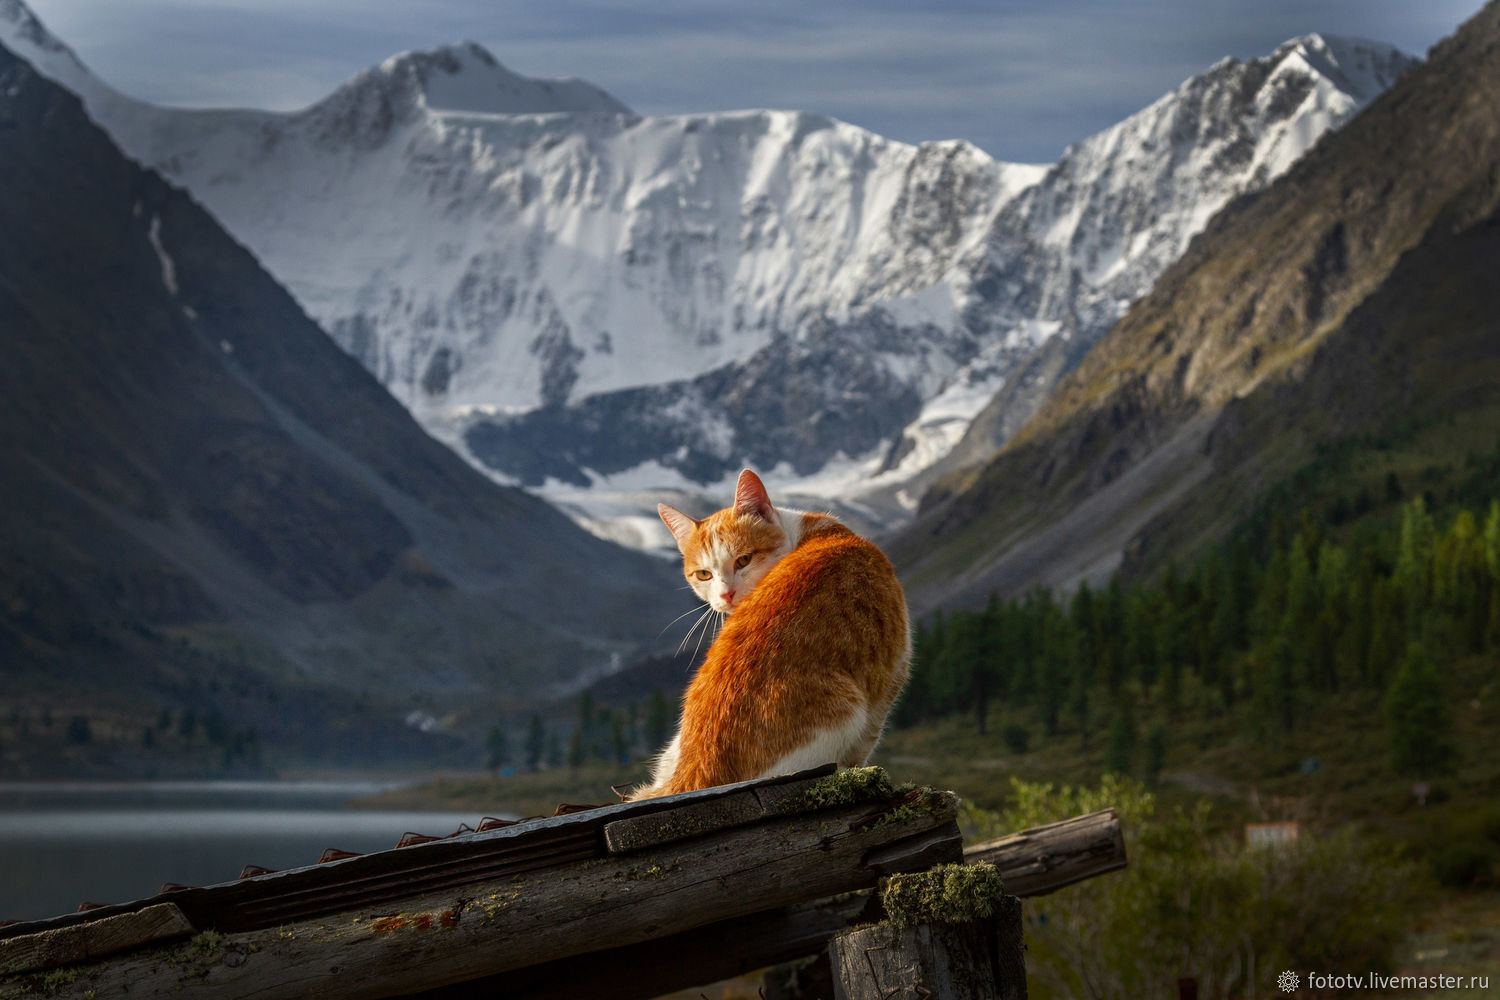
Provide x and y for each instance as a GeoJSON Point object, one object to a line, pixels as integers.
{"type": "Point", "coordinates": [1021, 79]}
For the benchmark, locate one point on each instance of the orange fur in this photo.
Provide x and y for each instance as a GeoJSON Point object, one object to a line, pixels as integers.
{"type": "Point", "coordinates": [821, 637]}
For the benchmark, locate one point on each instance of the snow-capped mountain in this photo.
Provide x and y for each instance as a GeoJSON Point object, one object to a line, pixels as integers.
{"type": "Point", "coordinates": [591, 302]}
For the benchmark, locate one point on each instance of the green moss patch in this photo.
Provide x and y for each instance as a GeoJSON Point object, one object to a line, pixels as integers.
{"type": "Point", "coordinates": [845, 788]}
{"type": "Point", "coordinates": [945, 894]}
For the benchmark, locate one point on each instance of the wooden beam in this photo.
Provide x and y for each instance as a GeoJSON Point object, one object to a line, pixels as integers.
{"type": "Point", "coordinates": [1045, 858]}
{"type": "Point", "coordinates": [83, 942]}
{"type": "Point", "coordinates": [388, 877]}
{"type": "Point", "coordinates": [721, 950]}
{"type": "Point", "coordinates": [503, 924]}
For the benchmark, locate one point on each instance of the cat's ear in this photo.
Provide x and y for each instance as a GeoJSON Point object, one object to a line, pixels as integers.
{"type": "Point", "coordinates": [678, 523]}
{"type": "Point", "coordinates": [750, 497]}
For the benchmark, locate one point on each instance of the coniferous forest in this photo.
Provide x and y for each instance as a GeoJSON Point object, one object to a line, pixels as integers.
{"type": "Point", "coordinates": [1292, 610]}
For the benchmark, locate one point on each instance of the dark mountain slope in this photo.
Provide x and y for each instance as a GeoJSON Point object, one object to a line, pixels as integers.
{"type": "Point", "coordinates": [193, 477]}
{"type": "Point", "coordinates": [1143, 432]}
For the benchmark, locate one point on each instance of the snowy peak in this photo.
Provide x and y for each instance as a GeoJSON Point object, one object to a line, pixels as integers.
{"type": "Point", "coordinates": [22, 32]}
{"type": "Point", "coordinates": [466, 79]}
{"type": "Point", "coordinates": [1361, 68]}
{"type": "Point", "coordinates": [18, 22]}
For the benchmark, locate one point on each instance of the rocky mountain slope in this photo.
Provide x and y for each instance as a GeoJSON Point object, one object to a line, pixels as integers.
{"type": "Point", "coordinates": [1348, 296]}
{"type": "Point", "coordinates": [206, 504]}
{"type": "Point", "coordinates": [595, 303]}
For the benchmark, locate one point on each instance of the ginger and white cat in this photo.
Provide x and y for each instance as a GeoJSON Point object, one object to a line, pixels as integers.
{"type": "Point", "coordinates": [814, 650]}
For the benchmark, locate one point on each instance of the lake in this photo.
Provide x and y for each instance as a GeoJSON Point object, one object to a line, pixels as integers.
{"type": "Point", "coordinates": [64, 843]}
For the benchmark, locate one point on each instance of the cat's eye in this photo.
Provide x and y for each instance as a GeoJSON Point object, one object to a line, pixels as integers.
{"type": "Point", "coordinates": [703, 574]}
{"type": "Point", "coordinates": [742, 562]}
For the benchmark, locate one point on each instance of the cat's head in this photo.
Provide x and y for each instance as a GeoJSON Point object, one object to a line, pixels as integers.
{"type": "Point", "coordinates": [726, 554]}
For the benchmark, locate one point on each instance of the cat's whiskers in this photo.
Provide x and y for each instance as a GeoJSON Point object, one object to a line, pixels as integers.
{"type": "Point", "coordinates": [674, 621]}
{"type": "Point", "coordinates": [707, 610]}
{"type": "Point", "coordinates": [718, 620]}
{"type": "Point", "coordinates": [705, 633]}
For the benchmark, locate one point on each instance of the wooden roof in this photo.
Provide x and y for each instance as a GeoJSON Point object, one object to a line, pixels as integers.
{"type": "Point", "coordinates": [506, 906]}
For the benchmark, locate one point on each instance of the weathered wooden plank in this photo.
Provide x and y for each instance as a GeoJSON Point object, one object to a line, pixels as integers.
{"type": "Point", "coordinates": [636, 833]}
{"type": "Point", "coordinates": [978, 960]}
{"type": "Point", "coordinates": [1043, 859]}
{"type": "Point", "coordinates": [390, 876]}
{"type": "Point", "coordinates": [721, 950]}
{"type": "Point", "coordinates": [752, 804]}
{"type": "Point", "coordinates": [82, 942]}
{"type": "Point", "coordinates": [516, 921]}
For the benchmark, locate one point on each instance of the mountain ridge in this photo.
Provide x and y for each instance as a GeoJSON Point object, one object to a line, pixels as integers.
{"type": "Point", "coordinates": [1240, 317]}
{"type": "Point", "coordinates": [575, 269]}
{"type": "Point", "coordinates": [209, 505]}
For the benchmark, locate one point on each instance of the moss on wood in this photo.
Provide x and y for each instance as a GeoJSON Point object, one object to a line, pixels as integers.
{"type": "Point", "coordinates": [945, 894]}
{"type": "Point", "coordinates": [843, 788]}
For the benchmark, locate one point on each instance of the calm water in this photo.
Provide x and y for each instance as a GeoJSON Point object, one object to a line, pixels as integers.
{"type": "Point", "coordinates": [61, 844]}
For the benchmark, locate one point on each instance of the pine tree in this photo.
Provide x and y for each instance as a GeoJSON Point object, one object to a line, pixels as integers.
{"type": "Point", "coordinates": [496, 750]}
{"type": "Point", "coordinates": [576, 747]}
{"type": "Point", "coordinates": [536, 742]}
{"type": "Point", "coordinates": [1387, 631]}
{"type": "Point", "coordinates": [1119, 754]}
{"type": "Point", "coordinates": [1156, 752]}
{"type": "Point", "coordinates": [658, 721]}
{"type": "Point", "coordinates": [1418, 722]}
{"type": "Point", "coordinates": [618, 748]}
{"type": "Point", "coordinates": [1078, 705]}
{"type": "Point", "coordinates": [1414, 557]}
{"type": "Point", "coordinates": [586, 736]}
{"type": "Point", "coordinates": [1052, 665]}
{"type": "Point", "coordinates": [1081, 619]}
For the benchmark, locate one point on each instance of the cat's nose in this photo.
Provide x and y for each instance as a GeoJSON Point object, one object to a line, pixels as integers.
{"type": "Point", "coordinates": [728, 596]}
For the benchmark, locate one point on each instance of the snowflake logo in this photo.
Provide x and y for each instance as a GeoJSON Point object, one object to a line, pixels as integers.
{"type": "Point", "coordinates": [1287, 981]}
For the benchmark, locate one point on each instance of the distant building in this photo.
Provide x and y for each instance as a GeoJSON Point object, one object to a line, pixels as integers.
{"type": "Point", "coordinates": [1277, 836]}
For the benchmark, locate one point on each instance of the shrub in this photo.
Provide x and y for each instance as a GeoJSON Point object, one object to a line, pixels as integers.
{"type": "Point", "coordinates": [1463, 864]}
{"type": "Point", "coordinates": [1192, 903]}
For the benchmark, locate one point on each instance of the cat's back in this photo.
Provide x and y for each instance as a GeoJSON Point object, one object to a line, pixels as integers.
{"type": "Point", "coordinates": [831, 580]}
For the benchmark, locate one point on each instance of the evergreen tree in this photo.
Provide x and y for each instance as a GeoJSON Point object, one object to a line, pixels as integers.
{"type": "Point", "coordinates": [495, 748]}
{"type": "Point", "coordinates": [1417, 719]}
{"type": "Point", "coordinates": [1414, 556]}
{"type": "Point", "coordinates": [618, 748]}
{"type": "Point", "coordinates": [587, 737]}
{"type": "Point", "coordinates": [1078, 706]}
{"type": "Point", "coordinates": [1109, 626]}
{"type": "Point", "coordinates": [1052, 665]}
{"type": "Point", "coordinates": [1119, 753]}
{"type": "Point", "coordinates": [658, 721]}
{"type": "Point", "coordinates": [576, 749]}
{"type": "Point", "coordinates": [1084, 628]}
{"type": "Point", "coordinates": [536, 742]}
{"type": "Point", "coordinates": [1388, 629]}
{"type": "Point", "coordinates": [1156, 752]}
{"type": "Point", "coordinates": [1275, 689]}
